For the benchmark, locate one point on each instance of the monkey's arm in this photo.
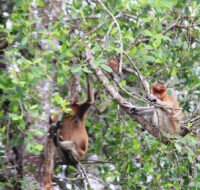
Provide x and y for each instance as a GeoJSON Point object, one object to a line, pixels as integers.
{"type": "Point", "coordinates": [90, 100]}
{"type": "Point", "coordinates": [148, 111]}
{"type": "Point", "coordinates": [158, 103]}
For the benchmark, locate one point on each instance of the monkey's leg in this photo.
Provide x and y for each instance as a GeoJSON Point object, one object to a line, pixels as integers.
{"type": "Point", "coordinates": [70, 146]}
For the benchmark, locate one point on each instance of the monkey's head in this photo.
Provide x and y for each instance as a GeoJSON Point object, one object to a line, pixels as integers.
{"type": "Point", "coordinates": [114, 65]}
{"type": "Point", "coordinates": [159, 90]}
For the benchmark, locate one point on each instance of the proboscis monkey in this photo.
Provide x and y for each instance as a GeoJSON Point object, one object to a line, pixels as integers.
{"type": "Point", "coordinates": [72, 137]}
{"type": "Point", "coordinates": [168, 116]}
{"type": "Point", "coordinates": [114, 65]}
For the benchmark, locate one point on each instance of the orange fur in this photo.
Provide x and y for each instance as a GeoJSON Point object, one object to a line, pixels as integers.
{"type": "Point", "coordinates": [170, 121]}
{"type": "Point", "coordinates": [73, 129]}
{"type": "Point", "coordinates": [114, 65]}
{"type": "Point", "coordinates": [73, 134]}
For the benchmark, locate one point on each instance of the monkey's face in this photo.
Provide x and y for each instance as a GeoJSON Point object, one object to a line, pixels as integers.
{"type": "Point", "coordinates": [158, 95]}
{"type": "Point", "coordinates": [159, 90]}
{"type": "Point", "coordinates": [72, 122]}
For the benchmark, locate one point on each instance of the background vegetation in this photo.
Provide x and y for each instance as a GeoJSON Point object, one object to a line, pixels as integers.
{"type": "Point", "coordinates": [43, 43]}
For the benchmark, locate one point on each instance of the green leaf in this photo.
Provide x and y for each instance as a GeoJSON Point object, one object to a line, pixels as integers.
{"type": "Point", "coordinates": [40, 3]}
{"type": "Point", "coordinates": [190, 158]}
{"type": "Point", "coordinates": [69, 54]}
{"type": "Point", "coordinates": [22, 125]}
{"type": "Point", "coordinates": [76, 69]}
{"type": "Point", "coordinates": [86, 70]}
{"type": "Point", "coordinates": [60, 81]}
{"type": "Point", "coordinates": [195, 185]}
{"type": "Point", "coordinates": [174, 72]}
{"type": "Point", "coordinates": [129, 37]}
{"type": "Point", "coordinates": [156, 43]}
{"type": "Point", "coordinates": [198, 166]}
{"type": "Point", "coordinates": [178, 147]}
{"type": "Point", "coordinates": [98, 62]}
{"type": "Point", "coordinates": [15, 117]}
{"type": "Point", "coordinates": [33, 107]}
{"type": "Point", "coordinates": [24, 41]}
{"type": "Point", "coordinates": [39, 147]}
{"type": "Point", "coordinates": [77, 4]}
{"type": "Point", "coordinates": [114, 30]}
{"type": "Point", "coordinates": [147, 33]}
{"type": "Point", "coordinates": [106, 68]}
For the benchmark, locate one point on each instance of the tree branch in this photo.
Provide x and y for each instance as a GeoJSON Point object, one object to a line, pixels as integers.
{"type": "Point", "coordinates": [125, 105]}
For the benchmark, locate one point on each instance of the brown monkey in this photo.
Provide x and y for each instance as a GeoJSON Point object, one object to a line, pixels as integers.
{"type": "Point", "coordinates": [72, 137]}
{"type": "Point", "coordinates": [168, 117]}
{"type": "Point", "coordinates": [114, 65]}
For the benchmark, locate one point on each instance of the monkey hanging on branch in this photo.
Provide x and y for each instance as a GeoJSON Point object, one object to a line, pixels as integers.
{"type": "Point", "coordinates": [71, 139]}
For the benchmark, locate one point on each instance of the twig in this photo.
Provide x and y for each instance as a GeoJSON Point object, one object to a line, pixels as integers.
{"type": "Point", "coordinates": [83, 173]}
{"type": "Point", "coordinates": [107, 33]}
{"type": "Point", "coordinates": [138, 73]}
{"type": "Point", "coordinates": [96, 28]}
{"type": "Point", "coordinates": [128, 93]}
{"type": "Point", "coordinates": [193, 120]}
{"type": "Point", "coordinates": [120, 35]}
{"type": "Point", "coordinates": [96, 162]}
{"type": "Point", "coordinates": [69, 179]}
{"type": "Point", "coordinates": [143, 40]}
{"type": "Point", "coordinates": [172, 25]}
{"type": "Point", "coordinates": [177, 164]}
{"type": "Point", "coordinates": [104, 106]}
{"type": "Point", "coordinates": [100, 25]}
{"type": "Point", "coordinates": [21, 106]}
{"type": "Point", "coordinates": [181, 26]}
{"type": "Point", "coordinates": [80, 19]}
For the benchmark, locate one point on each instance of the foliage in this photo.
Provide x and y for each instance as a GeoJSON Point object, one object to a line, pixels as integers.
{"type": "Point", "coordinates": [133, 158]}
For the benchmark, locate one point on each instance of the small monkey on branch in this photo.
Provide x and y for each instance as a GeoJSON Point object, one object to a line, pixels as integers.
{"type": "Point", "coordinates": [167, 115]}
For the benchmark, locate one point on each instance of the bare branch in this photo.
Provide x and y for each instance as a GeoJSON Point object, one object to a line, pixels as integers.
{"type": "Point", "coordinates": [84, 176]}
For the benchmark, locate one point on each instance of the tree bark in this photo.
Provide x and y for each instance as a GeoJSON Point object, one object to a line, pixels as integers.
{"type": "Point", "coordinates": [38, 168]}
